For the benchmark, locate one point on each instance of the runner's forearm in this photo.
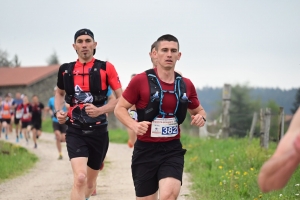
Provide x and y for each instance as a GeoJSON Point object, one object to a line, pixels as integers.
{"type": "Point", "coordinates": [276, 172]}
{"type": "Point", "coordinates": [59, 101]}
{"type": "Point", "coordinates": [124, 117]}
{"type": "Point", "coordinates": [109, 107]}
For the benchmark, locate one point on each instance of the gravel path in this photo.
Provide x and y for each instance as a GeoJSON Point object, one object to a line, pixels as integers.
{"type": "Point", "coordinates": [51, 179]}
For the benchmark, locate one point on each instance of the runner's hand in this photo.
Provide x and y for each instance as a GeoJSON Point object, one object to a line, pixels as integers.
{"type": "Point", "coordinates": [141, 127]}
{"type": "Point", "coordinates": [91, 110]}
{"type": "Point", "coordinates": [198, 120]}
{"type": "Point", "coordinates": [61, 117]}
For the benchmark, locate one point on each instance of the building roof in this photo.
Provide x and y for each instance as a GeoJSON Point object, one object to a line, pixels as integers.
{"type": "Point", "coordinates": [20, 76]}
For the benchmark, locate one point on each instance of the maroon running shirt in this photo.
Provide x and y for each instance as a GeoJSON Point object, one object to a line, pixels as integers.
{"type": "Point", "coordinates": [138, 93]}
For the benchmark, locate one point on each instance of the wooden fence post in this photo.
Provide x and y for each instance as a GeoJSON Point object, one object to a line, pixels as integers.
{"type": "Point", "coordinates": [281, 124]}
{"type": "Point", "coordinates": [267, 127]}
{"type": "Point", "coordinates": [226, 97]}
{"type": "Point", "coordinates": [262, 126]}
{"type": "Point", "coordinates": [254, 120]}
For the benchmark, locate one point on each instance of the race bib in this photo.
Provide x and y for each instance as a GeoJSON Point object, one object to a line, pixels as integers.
{"type": "Point", "coordinates": [164, 127]}
{"type": "Point", "coordinates": [5, 112]}
{"type": "Point", "coordinates": [19, 114]}
{"type": "Point", "coordinates": [26, 116]}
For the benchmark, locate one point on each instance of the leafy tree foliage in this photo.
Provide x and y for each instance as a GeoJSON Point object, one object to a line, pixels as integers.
{"type": "Point", "coordinates": [296, 103]}
{"type": "Point", "coordinates": [241, 110]}
{"type": "Point", "coordinates": [5, 62]}
{"type": "Point", "coordinates": [274, 119]}
{"type": "Point", "coordinates": [53, 59]}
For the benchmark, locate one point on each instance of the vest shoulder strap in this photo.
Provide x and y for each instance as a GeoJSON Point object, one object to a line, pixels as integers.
{"type": "Point", "coordinates": [153, 82]}
{"type": "Point", "coordinates": [95, 77]}
{"type": "Point", "coordinates": [68, 78]}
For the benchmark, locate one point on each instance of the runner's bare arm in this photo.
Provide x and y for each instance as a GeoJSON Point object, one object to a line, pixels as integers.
{"type": "Point", "coordinates": [276, 172]}
{"type": "Point", "coordinates": [59, 102]}
{"type": "Point", "coordinates": [121, 112]}
{"type": "Point", "coordinates": [59, 99]}
{"type": "Point", "coordinates": [198, 116]}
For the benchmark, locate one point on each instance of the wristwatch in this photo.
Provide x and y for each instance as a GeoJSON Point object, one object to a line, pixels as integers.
{"type": "Point", "coordinates": [55, 113]}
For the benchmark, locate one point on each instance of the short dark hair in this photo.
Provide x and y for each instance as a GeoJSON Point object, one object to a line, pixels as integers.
{"type": "Point", "coordinates": [153, 45]}
{"type": "Point", "coordinates": [167, 37]}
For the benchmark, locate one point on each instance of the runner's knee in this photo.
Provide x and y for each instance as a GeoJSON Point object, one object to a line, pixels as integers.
{"type": "Point", "coordinates": [80, 179]}
{"type": "Point", "coordinates": [168, 195]}
{"type": "Point", "coordinates": [91, 185]}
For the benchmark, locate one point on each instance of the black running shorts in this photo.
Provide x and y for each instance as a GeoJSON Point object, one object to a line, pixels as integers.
{"type": "Point", "coordinates": [59, 127]}
{"type": "Point", "coordinates": [17, 121]}
{"type": "Point", "coordinates": [36, 124]}
{"type": "Point", "coordinates": [6, 120]}
{"type": "Point", "coordinates": [25, 124]}
{"type": "Point", "coordinates": [92, 144]}
{"type": "Point", "coordinates": [152, 161]}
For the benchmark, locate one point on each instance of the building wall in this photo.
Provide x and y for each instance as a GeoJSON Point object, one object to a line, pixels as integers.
{"type": "Point", "coordinates": [44, 89]}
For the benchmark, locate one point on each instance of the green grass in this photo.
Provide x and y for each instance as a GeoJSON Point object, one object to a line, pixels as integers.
{"type": "Point", "coordinates": [47, 125]}
{"type": "Point", "coordinates": [14, 160]}
{"type": "Point", "coordinates": [228, 169]}
{"type": "Point", "coordinates": [118, 136]}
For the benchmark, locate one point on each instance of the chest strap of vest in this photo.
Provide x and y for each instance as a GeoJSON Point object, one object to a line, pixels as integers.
{"type": "Point", "coordinates": [175, 92]}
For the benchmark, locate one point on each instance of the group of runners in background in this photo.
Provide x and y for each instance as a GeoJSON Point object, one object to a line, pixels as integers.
{"type": "Point", "coordinates": [23, 114]}
{"type": "Point", "coordinates": [22, 117]}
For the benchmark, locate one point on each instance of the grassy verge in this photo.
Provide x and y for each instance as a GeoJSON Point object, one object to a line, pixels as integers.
{"type": "Point", "coordinates": [14, 160]}
{"type": "Point", "coordinates": [47, 125]}
{"type": "Point", "coordinates": [228, 169]}
{"type": "Point", "coordinates": [118, 136]}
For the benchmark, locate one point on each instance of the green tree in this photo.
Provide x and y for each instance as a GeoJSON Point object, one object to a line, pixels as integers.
{"type": "Point", "coordinates": [16, 62]}
{"type": "Point", "coordinates": [296, 103]}
{"type": "Point", "coordinates": [4, 61]}
{"type": "Point", "coordinates": [241, 110]}
{"type": "Point", "coordinates": [53, 59]}
{"type": "Point", "coordinates": [273, 134]}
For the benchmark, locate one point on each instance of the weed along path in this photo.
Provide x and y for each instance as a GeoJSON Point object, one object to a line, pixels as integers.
{"type": "Point", "coordinates": [51, 179]}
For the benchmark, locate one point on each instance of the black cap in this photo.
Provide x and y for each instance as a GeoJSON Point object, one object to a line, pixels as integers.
{"type": "Point", "coordinates": [84, 31]}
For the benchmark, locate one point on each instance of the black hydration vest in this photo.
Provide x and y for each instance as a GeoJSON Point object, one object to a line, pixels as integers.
{"type": "Point", "coordinates": [99, 95]}
{"type": "Point", "coordinates": [154, 107]}
{"type": "Point", "coordinates": [81, 119]}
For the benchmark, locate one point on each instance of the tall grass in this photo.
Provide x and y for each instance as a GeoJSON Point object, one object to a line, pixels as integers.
{"type": "Point", "coordinates": [228, 169]}
{"type": "Point", "coordinates": [14, 160]}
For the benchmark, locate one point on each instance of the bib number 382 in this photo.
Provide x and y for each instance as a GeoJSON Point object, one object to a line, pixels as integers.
{"type": "Point", "coordinates": [169, 130]}
{"type": "Point", "coordinates": [164, 127]}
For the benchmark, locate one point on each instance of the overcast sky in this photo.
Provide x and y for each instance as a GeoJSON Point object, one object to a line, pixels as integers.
{"type": "Point", "coordinates": [237, 41]}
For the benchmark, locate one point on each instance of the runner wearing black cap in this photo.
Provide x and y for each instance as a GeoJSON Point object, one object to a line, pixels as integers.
{"type": "Point", "coordinates": [84, 84]}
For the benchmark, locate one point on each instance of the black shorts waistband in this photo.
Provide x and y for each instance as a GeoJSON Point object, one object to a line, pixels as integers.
{"type": "Point", "coordinates": [99, 129]}
{"type": "Point", "coordinates": [155, 144]}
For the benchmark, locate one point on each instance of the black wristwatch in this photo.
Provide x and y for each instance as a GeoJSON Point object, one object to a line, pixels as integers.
{"type": "Point", "coordinates": [55, 113]}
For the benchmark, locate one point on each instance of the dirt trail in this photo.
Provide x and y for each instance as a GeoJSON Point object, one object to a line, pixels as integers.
{"type": "Point", "coordinates": [51, 179]}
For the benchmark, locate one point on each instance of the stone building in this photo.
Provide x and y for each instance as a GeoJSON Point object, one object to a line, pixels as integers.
{"type": "Point", "coordinates": [29, 81]}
